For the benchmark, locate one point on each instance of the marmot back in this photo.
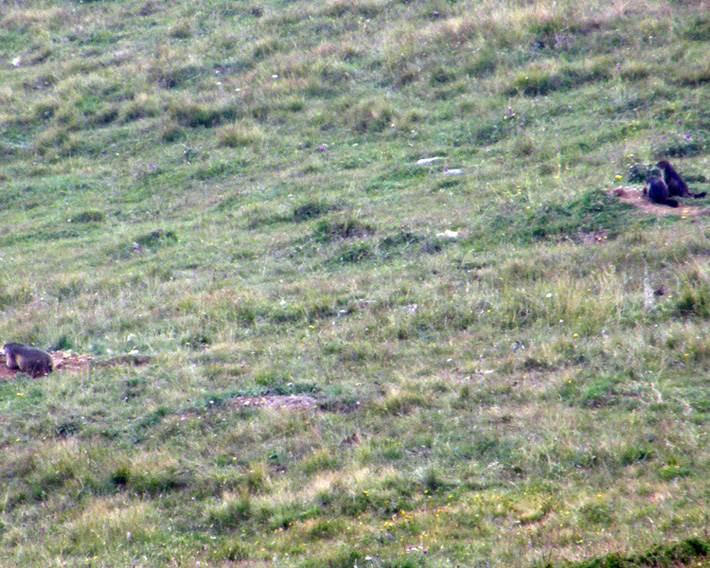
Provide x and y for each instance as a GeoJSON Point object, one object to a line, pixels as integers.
{"type": "Point", "coordinates": [676, 185]}
{"type": "Point", "coordinates": [657, 192]}
{"type": "Point", "coordinates": [30, 360]}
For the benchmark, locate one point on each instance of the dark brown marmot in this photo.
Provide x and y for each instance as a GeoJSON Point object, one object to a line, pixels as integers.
{"type": "Point", "coordinates": [30, 360]}
{"type": "Point", "coordinates": [675, 183]}
{"type": "Point", "coordinates": [657, 191]}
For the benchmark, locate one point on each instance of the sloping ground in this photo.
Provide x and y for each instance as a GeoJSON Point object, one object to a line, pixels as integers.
{"type": "Point", "coordinates": [235, 186]}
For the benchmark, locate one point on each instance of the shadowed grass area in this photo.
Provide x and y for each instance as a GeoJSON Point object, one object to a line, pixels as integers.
{"type": "Point", "coordinates": [688, 552]}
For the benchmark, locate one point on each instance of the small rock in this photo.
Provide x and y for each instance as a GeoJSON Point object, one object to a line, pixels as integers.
{"type": "Point", "coordinates": [425, 161]}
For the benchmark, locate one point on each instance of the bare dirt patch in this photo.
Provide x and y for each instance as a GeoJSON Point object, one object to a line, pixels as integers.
{"type": "Point", "coordinates": [274, 401]}
{"type": "Point", "coordinates": [69, 361]}
{"type": "Point", "coordinates": [294, 402]}
{"type": "Point", "coordinates": [634, 196]}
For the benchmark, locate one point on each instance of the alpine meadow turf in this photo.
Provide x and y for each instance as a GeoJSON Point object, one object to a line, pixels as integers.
{"type": "Point", "coordinates": [354, 285]}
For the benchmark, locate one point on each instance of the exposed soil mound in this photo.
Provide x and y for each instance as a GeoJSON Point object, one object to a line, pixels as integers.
{"type": "Point", "coordinates": [634, 196]}
{"type": "Point", "coordinates": [274, 401]}
{"type": "Point", "coordinates": [70, 361]}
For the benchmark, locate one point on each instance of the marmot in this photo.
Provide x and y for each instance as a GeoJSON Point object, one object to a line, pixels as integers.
{"type": "Point", "coordinates": [657, 191]}
{"type": "Point", "coordinates": [30, 360]}
{"type": "Point", "coordinates": [675, 183]}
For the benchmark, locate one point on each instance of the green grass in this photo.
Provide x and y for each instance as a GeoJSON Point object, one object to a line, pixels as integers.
{"type": "Point", "coordinates": [353, 357]}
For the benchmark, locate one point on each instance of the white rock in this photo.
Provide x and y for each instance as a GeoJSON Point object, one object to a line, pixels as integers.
{"type": "Point", "coordinates": [449, 234]}
{"type": "Point", "coordinates": [425, 161]}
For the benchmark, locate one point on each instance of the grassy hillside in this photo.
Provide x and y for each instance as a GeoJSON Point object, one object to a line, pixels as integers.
{"type": "Point", "coordinates": [393, 315]}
